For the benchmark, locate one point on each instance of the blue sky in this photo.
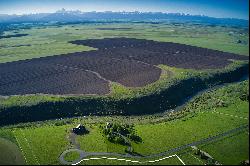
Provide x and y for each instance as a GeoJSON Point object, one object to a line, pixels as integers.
{"type": "Point", "coordinates": [213, 8]}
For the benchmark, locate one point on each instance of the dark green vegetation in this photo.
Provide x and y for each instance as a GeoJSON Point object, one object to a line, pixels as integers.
{"type": "Point", "coordinates": [43, 142]}
{"type": "Point", "coordinates": [221, 98]}
{"type": "Point", "coordinates": [10, 36]}
{"type": "Point", "coordinates": [120, 133]}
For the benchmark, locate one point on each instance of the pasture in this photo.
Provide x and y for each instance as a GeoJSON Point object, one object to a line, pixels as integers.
{"type": "Point", "coordinates": [52, 40]}
{"type": "Point", "coordinates": [43, 143]}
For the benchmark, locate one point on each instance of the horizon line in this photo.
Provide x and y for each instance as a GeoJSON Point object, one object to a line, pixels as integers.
{"type": "Point", "coordinates": [132, 11]}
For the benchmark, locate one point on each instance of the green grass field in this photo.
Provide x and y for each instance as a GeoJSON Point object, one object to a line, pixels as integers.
{"type": "Point", "coordinates": [230, 150]}
{"type": "Point", "coordinates": [42, 145]}
{"type": "Point", "coordinates": [44, 142]}
{"type": "Point", "coordinates": [183, 131]}
{"type": "Point", "coordinates": [71, 156]}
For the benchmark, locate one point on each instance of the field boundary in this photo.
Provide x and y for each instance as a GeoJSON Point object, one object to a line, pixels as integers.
{"type": "Point", "coordinates": [132, 161]}
{"type": "Point", "coordinates": [235, 116]}
{"type": "Point", "coordinates": [32, 151]}
{"type": "Point", "coordinates": [19, 145]}
{"type": "Point", "coordinates": [29, 148]}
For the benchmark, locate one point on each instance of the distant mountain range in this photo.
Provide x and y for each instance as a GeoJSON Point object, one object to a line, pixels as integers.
{"type": "Point", "coordinates": [78, 16]}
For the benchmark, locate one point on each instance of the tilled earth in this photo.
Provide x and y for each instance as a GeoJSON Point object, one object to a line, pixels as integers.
{"type": "Point", "coordinates": [130, 62]}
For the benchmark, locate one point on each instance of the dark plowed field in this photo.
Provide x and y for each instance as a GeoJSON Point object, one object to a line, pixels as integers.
{"type": "Point", "coordinates": [155, 53]}
{"type": "Point", "coordinates": [130, 62]}
{"type": "Point", "coordinates": [28, 78]}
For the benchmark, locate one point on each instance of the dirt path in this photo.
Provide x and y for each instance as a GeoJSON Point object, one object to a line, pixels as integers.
{"type": "Point", "coordinates": [73, 141]}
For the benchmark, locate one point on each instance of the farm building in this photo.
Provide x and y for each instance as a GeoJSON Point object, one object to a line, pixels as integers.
{"type": "Point", "coordinates": [79, 129]}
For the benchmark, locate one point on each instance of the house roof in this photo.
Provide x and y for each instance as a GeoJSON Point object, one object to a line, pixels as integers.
{"type": "Point", "coordinates": [79, 125]}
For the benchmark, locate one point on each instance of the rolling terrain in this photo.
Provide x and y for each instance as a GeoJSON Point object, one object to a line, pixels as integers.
{"type": "Point", "coordinates": [178, 85]}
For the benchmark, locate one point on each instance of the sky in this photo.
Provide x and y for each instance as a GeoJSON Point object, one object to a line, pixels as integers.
{"type": "Point", "coordinates": [212, 8]}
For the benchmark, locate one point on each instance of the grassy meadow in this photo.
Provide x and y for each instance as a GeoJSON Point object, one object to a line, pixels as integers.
{"type": "Point", "coordinates": [43, 142]}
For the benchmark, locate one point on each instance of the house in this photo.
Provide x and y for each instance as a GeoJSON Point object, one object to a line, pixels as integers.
{"type": "Point", "coordinates": [79, 129]}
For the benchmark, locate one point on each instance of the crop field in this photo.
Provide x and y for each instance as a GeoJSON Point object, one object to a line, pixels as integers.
{"type": "Point", "coordinates": [49, 40]}
{"type": "Point", "coordinates": [130, 62]}
{"type": "Point", "coordinates": [166, 53]}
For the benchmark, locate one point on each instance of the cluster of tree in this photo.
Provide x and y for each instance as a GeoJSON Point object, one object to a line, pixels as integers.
{"type": "Point", "coordinates": [120, 133]}
{"type": "Point", "coordinates": [221, 97]}
{"type": "Point", "coordinates": [244, 96]}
